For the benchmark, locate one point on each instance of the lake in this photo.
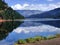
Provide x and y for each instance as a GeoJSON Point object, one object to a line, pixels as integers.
{"type": "Point", "coordinates": [29, 28]}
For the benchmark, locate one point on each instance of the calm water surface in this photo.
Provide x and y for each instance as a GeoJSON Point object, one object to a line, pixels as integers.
{"type": "Point", "coordinates": [28, 29]}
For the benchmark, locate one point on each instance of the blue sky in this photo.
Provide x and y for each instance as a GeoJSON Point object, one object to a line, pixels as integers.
{"type": "Point", "coordinates": [33, 4]}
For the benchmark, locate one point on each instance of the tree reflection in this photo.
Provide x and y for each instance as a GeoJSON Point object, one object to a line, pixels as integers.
{"type": "Point", "coordinates": [7, 27]}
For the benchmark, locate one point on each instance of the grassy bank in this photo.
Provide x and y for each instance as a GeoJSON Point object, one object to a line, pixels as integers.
{"type": "Point", "coordinates": [36, 39]}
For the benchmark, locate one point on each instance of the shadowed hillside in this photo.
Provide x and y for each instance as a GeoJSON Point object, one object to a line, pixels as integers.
{"type": "Point", "coordinates": [48, 14]}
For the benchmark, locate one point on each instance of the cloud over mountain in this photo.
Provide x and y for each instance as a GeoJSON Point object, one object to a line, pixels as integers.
{"type": "Point", "coordinates": [43, 7]}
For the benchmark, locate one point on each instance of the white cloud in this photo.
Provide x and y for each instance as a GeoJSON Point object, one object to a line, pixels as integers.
{"type": "Point", "coordinates": [50, 0]}
{"type": "Point", "coordinates": [19, 6]}
{"type": "Point", "coordinates": [43, 7]}
{"type": "Point", "coordinates": [25, 5]}
{"type": "Point", "coordinates": [42, 28]}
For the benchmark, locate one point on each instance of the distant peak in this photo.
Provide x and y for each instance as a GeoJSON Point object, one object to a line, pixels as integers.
{"type": "Point", "coordinates": [57, 9]}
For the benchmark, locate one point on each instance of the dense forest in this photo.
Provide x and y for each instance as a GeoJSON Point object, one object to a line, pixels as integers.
{"type": "Point", "coordinates": [8, 13]}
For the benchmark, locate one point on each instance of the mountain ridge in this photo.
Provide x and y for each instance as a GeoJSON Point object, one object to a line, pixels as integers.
{"type": "Point", "coordinates": [27, 13]}
{"type": "Point", "coordinates": [48, 14]}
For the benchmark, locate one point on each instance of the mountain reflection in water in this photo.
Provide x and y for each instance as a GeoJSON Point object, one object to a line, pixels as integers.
{"type": "Point", "coordinates": [7, 27]}
{"type": "Point", "coordinates": [18, 30]}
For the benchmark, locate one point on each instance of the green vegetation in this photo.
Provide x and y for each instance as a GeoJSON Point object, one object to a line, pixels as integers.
{"type": "Point", "coordinates": [11, 14]}
{"type": "Point", "coordinates": [3, 5]}
{"type": "Point", "coordinates": [51, 37]}
{"type": "Point", "coordinates": [21, 41]}
{"type": "Point", "coordinates": [36, 38]}
{"type": "Point", "coordinates": [30, 40]}
{"type": "Point", "coordinates": [57, 35]}
{"type": "Point", "coordinates": [8, 13]}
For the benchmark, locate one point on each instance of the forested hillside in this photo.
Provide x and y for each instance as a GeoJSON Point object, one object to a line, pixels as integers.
{"type": "Point", "coordinates": [8, 13]}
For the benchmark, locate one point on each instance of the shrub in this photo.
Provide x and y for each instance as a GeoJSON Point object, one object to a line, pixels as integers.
{"type": "Point", "coordinates": [57, 35]}
{"type": "Point", "coordinates": [51, 37]}
{"type": "Point", "coordinates": [16, 44]}
{"type": "Point", "coordinates": [21, 41]}
{"type": "Point", "coordinates": [30, 40]}
{"type": "Point", "coordinates": [44, 38]}
{"type": "Point", "coordinates": [38, 38]}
